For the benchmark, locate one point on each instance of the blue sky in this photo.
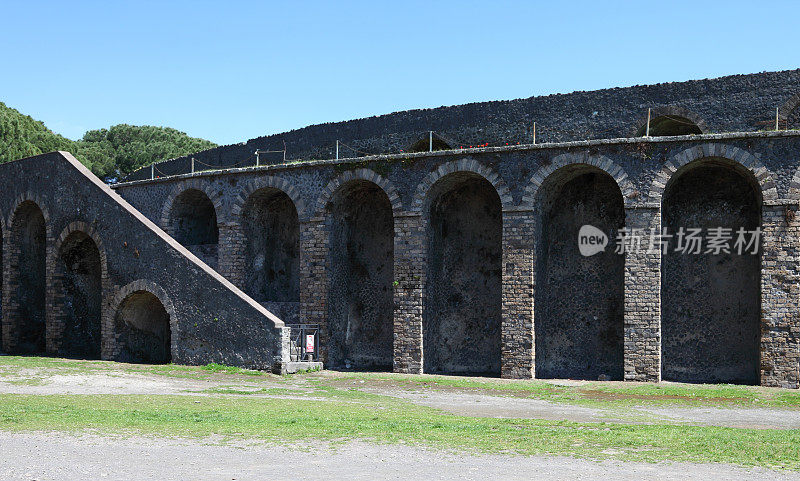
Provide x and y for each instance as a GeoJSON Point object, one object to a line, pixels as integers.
{"type": "Point", "coordinates": [229, 71]}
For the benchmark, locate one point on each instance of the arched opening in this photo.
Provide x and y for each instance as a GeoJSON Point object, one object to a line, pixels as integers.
{"type": "Point", "coordinates": [710, 301]}
{"type": "Point", "coordinates": [424, 144]}
{"type": "Point", "coordinates": [361, 295]}
{"type": "Point", "coordinates": [579, 322]}
{"type": "Point", "coordinates": [462, 310]}
{"type": "Point", "coordinates": [28, 278]}
{"type": "Point", "coordinates": [272, 238]}
{"type": "Point", "coordinates": [666, 125]}
{"type": "Point", "coordinates": [142, 327]}
{"type": "Point", "coordinates": [193, 221]}
{"type": "Point", "coordinates": [80, 272]}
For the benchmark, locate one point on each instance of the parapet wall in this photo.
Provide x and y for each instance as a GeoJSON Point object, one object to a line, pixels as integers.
{"type": "Point", "coordinates": [738, 103]}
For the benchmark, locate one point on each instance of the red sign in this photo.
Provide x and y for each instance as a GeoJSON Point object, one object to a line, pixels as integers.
{"type": "Point", "coordinates": [309, 343]}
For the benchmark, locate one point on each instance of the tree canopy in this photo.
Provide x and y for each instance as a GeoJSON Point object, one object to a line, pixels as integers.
{"type": "Point", "coordinates": [109, 153]}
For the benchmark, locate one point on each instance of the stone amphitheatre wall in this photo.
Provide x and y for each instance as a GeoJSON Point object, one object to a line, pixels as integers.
{"type": "Point", "coordinates": [483, 266]}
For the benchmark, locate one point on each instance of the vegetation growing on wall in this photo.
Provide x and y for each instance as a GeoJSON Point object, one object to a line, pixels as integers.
{"type": "Point", "coordinates": [109, 153]}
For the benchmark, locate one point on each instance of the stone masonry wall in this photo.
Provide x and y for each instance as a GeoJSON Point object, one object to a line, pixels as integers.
{"type": "Point", "coordinates": [641, 167]}
{"type": "Point", "coordinates": [209, 319]}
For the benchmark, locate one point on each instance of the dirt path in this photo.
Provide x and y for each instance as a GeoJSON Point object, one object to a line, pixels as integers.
{"type": "Point", "coordinates": [57, 457]}
{"type": "Point", "coordinates": [468, 404]}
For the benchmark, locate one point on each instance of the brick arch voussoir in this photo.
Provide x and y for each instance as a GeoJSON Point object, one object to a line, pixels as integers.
{"type": "Point", "coordinates": [358, 174]}
{"type": "Point", "coordinates": [603, 163]}
{"type": "Point", "coordinates": [462, 165]}
{"type": "Point", "coordinates": [119, 297]}
{"type": "Point", "coordinates": [769, 191]}
{"type": "Point", "coordinates": [183, 186]}
{"type": "Point", "coordinates": [255, 185]}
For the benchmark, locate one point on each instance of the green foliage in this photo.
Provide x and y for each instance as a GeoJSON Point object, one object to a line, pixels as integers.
{"type": "Point", "coordinates": [124, 148]}
{"type": "Point", "coordinates": [109, 153]}
{"type": "Point", "coordinates": [21, 136]}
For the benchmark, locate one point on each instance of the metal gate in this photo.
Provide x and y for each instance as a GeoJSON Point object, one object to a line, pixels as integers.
{"type": "Point", "coordinates": [305, 342]}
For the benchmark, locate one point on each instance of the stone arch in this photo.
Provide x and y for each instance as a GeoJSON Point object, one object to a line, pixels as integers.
{"type": "Point", "coordinates": [423, 143]}
{"type": "Point", "coordinates": [142, 293]}
{"type": "Point", "coordinates": [466, 166]}
{"type": "Point", "coordinates": [616, 172]}
{"type": "Point", "coordinates": [83, 289]}
{"type": "Point", "coordinates": [358, 174]}
{"type": "Point", "coordinates": [29, 237]}
{"type": "Point", "coordinates": [192, 215]}
{"type": "Point", "coordinates": [462, 216]}
{"type": "Point", "coordinates": [359, 220]}
{"type": "Point", "coordinates": [269, 222]}
{"type": "Point", "coordinates": [90, 231]}
{"type": "Point", "coordinates": [711, 301]}
{"type": "Point", "coordinates": [39, 202]}
{"type": "Point", "coordinates": [278, 183]}
{"type": "Point", "coordinates": [666, 111]}
{"type": "Point", "coordinates": [768, 189]}
{"type": "Point", "coordinates": [183, 186]}
{"type": "Point", "coordinates": [580, 336]}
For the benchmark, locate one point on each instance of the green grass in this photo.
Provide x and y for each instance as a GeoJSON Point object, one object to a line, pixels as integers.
{"type": "Point", "coordinates": [286, 421]}
{"type": "Point", "coordinates": [337, 407]}
{"type": "Point", "coordinates": [12, 365]}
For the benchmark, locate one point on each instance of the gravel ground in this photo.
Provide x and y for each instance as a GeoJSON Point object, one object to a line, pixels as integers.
{"type": "Point", "coordinates": [56, 457]}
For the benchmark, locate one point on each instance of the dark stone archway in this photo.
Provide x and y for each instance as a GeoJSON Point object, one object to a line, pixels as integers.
{"type": "Point", "coordinates": [193, 223]}
{"type": "Point", "coordinates": [361, 294]}
{"type": "Point", "coordinates": [80, 272]}
{"type": "Point", "coordinates": [28, 276]}
{"type": "Point", "coordinates": [579, 300]}
{"type": "Point", "coordinates": [710, 303]}
{"type": "Point", "coordinates": [142, 328]}
{"type": "Point", "coordinates": [462, 309]}
{"type": "Point", "coordinates": [666, 125]}
{"type": "Point", "coordinates": [272, 235]}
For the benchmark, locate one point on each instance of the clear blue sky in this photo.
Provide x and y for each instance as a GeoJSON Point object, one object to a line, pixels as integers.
{"type": "Point", "coordinates": [229, 71]}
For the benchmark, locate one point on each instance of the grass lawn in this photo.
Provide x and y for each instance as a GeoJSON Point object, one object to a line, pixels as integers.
{"type": "Point", "coordinates": [321, 406]}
